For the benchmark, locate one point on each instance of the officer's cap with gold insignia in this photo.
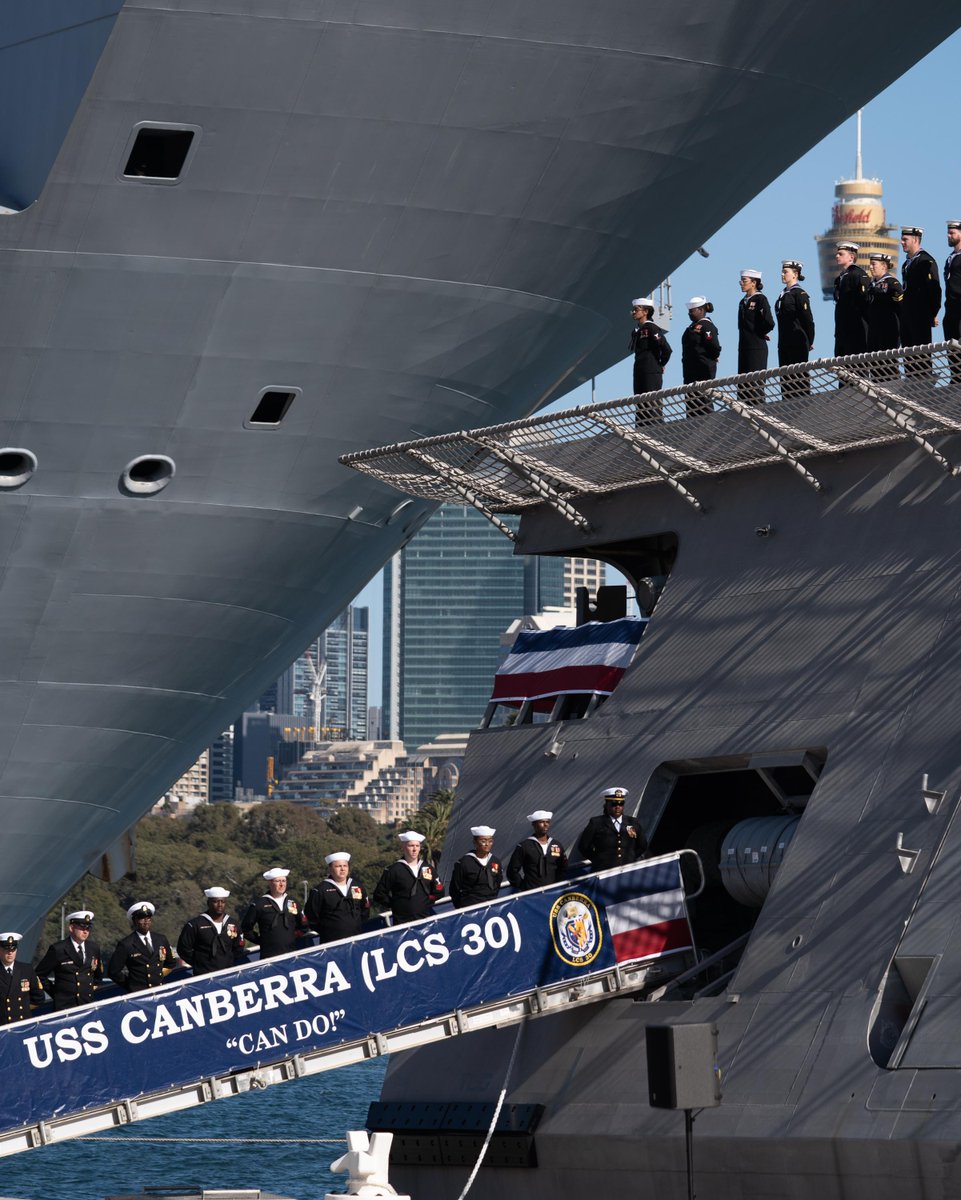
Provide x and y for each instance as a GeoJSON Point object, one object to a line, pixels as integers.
{"type": "Point", "coordinates": [411, 836]}
{"type": "Point", "coordinates": [10, 941]}
{"type": "Point", "coordinates": [482, 831]}
{"type": "Point", "coordinates": [216, 893]}
{"type": "Point", "coordinates": [276, 873]}
{"type": "Point", "coordinates": [143, 908]}
{"type": "Point", "coordinates": [912, 231]}
{"type": "Point", "coordinates": [614, 793]}
{"type": "Point", "coordinates": [82, 917]}
{"type": "Point", "coordinates": [337, 856]}
{"type": "Point", "coordinates": [540, 814]}
{"type": "Point", "coordinates": [852, 246]}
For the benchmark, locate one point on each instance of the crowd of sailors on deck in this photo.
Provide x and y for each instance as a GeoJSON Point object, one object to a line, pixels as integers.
{"type": "Point", "coordinates": [72, 970]}
{"type": "Point", "coordinates": [873, 310]}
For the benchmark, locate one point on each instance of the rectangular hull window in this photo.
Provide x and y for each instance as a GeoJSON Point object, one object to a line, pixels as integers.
{"type": "Point", "coordinates": [158, 153]}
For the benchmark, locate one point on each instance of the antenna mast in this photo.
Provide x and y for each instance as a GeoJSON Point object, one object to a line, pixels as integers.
{"type": "Point", "coordinates": [857, 162]}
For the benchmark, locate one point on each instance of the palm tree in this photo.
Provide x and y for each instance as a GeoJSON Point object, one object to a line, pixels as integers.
{"type": "Point", "coordinates": [432, 821]}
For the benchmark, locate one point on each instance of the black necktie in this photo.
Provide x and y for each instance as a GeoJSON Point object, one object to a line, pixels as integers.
{"type": "Point", "coordinates": [80, 952]}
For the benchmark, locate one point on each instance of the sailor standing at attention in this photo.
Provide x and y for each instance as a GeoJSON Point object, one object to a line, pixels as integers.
{"type": "Point", "coordinates": [754, 323]}
{"type": "Point", "coordinates": [795, 322]}
{"type": "Point", "coordinates": [700, 351]}
{"type": "Point", "coordinates": [141, 958]}
{"type": "Point", "coordinates": [72, 969]}
{"type": "Point", "coordinates": [212, 941]}
{"type": "Point", "coordinates": [884, 313]}
{"type": "Point", "coordinates": [952, 284]}
{"type": "Point", "coordinates": [338, 907]}
{"type": "Point", "coordinates": [922, 296]}
{"type": "Point", "coordinates": [649, 347]}
{"type": "Point", "coordinates": [409, 887]}
{"type": "Point", "coordinates": [611, 840]}
{"type": "Point", "coordinates": [538, 860]}
{"type": "Point", "coordinates": [477, 876]}
{"type": "Point", "coordinates": [274, 920]}
{"type": "Point", "coordinates": [850, 302]}
{"type": "Point", "coordinates": [20, 989]}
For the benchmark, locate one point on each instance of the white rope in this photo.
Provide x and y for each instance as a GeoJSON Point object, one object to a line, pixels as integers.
{"type": "Point", "coordinates": [121, 1138]}
{"type": "Point", "coordinates": [497, 1112]}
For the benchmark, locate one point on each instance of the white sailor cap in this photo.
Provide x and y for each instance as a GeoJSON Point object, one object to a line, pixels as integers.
{"type": "Point", "coordinates": [411, 836]}
{"type": "Point", "coordinates": [83, 916]}
{"type": "Point", "coordinates": [615, 793]}
{"type": "Point", "coordinates": [277, 873]}
{"type": "Point", "coordinates": [482, 831]}
{"type": "Point", "coordinates": [216, 893]}
{"type": "Point", "coordinates": [643, 302]}
{"type": "Point", "coordinates": [143, 908]}
{"type": "Point", "coordinates": [540, 814]}
{"type": "Point", "coordinates": [337, 856]}
{"type": "Point", "coordinates": [750, 273]}
{"type": "Point", "coordinates": [10, 941]}
{"type": "Point", "coordinates": [852, 246]}
{"type": "Point", "coordinates": [912, 231]}
{"type": "Point", "coordinates": [697, 302]}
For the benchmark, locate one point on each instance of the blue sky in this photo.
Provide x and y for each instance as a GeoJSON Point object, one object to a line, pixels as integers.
{"type": "Point", "coordinates": [907, 141]}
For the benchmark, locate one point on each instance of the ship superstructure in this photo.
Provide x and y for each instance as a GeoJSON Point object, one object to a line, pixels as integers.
{"type": "Point", "coordinates": [792, 714]}
{"type": "Point", "coordinates": [257, 233]}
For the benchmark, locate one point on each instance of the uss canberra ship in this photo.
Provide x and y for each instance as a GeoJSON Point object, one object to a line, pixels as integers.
{"type": "Point", "coordinates": [246, 235]}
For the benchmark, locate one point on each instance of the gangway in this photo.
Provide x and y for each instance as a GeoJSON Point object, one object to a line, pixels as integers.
{"type": "Point", "coordinates": [523, 956]}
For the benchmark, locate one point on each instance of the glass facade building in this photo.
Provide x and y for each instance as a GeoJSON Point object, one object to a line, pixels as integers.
{"type": "Point", "coordinates": [448, 596]}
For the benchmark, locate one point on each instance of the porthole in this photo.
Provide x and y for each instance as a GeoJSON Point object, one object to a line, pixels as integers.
{"type": "Point", "coordinates": [272, 407]}
{"type": "Point", "coordinates": [159, 153]}
{"type": "Point", "coordinates": [148, 474]}
{"type": "Point", "coordinates": [16, 466]}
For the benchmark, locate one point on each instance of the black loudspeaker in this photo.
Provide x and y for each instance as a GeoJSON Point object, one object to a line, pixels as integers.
{"type": "Point", "coordinates": [682, 1070]}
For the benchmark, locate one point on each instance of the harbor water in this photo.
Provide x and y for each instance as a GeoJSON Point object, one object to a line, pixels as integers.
{"type": "Point", "coordinates": [281, 1140]}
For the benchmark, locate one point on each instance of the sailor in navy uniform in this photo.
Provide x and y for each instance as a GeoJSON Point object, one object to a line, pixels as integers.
{"type": "Point", "coordinates": [212, 941]}
{"type": "Point", "coordinates": [612, 839]}
{"type": "Point", "coordinates": [884, 313]}
{"type": "Point", "coordinates": [952, 284]}
{"type": "Point", "coordinates": [71, 970]}
{"type": "Point", "coordinates": [850, 302]}
{"type": "Point", "coordinates": [20, 989]}
{"type": "Point", "coordinates": [754, 324]}
{"type": "Point", "coordinates": [275, 920]}
{"type": "Point", "coordinates": [922, 297]}
{"type": "Point", "coordinates": [795, 322]}
{"type": "Point", "coordinates": [649, 346]}
{"type": "Point", "coordinates": [142, 957]}
{"type": "Point", "coordinates": [477, 877]}
{"type": "Point", "coordinates": [338, 907]}
{"type": "Point", "coordinates": [538, 860]}
{"type": "Point", "coordinates": [409, 887]}
{"type": "Point", "coordinates": [700, 350]}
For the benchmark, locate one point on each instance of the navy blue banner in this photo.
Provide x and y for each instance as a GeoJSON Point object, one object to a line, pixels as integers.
{"type": "Point", "coordinates": [318, 998]}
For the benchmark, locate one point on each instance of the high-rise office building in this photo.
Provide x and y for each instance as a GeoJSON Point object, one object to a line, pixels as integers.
{"type": "Point", "coordinates": [582, 572]}
{"type": "Point", "coordinates": [448, 596]}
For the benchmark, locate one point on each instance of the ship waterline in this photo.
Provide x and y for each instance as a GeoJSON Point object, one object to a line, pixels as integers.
{"type": "Point", "coordinates": [409, 218]}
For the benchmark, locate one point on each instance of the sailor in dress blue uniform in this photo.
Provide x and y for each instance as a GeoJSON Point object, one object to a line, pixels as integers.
{"type": "Point", "coordinates": [20, 989]}
{"type": "Point", "coordinates": [275, 920]}
{"type": "Point", "coordinates": [538, 860]}
{"type": "Point", "coordinates": [211, 941]}
{"type": "Point", "coordinates": [409, 887]}
{"type": "Point", "coordinates": [338, 907]}
{"type": "Point", "coordinates": [71, 970]}
{"type": "Point", "coordinates": [142, 957]}
{"type": "Point", "coordinates": [477, 877]}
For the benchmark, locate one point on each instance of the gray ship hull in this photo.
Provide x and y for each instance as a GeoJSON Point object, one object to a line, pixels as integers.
{"type": "Point", "coordinates": [413, 216]}
{"type": "Point", "coordinates": [803, 658]}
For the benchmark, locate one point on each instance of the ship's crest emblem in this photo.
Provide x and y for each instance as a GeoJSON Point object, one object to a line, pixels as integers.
{"type": "Point", "coordinates": [576, 929]}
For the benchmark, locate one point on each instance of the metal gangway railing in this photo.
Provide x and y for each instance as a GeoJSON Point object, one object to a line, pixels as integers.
{"type": "Point", "coordinates": [88, 1069]}
{"type": "Point", "coordinates": [785, 415]}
